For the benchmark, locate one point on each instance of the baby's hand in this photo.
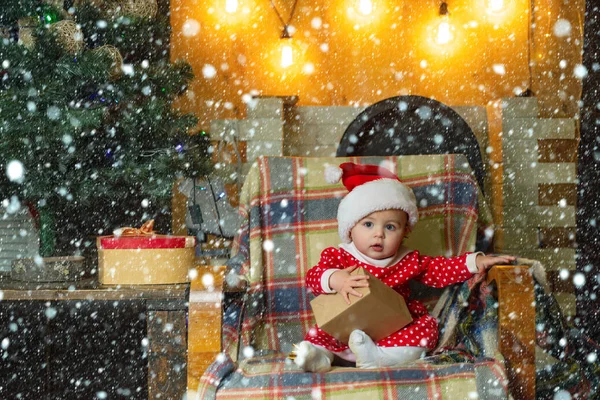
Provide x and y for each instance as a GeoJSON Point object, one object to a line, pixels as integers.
{"type": "Point", "coordinates": [484, 262]}
{"type": "Point", "coordinates": [342, 282]}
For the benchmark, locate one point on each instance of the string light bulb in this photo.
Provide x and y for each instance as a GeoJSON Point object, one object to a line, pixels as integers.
{"type": "Point", "coordinates": [443, 33]}
{"type": "Point", "coordinates": [495, 6]}
{"type": "Point", "coordinates": [287, 56]}
{"type": "Point", "coordinates": [444, 30]}
{"type": "Point", "coordinates": [231, 6]}
{"type": "Point", "coordinates": [365, 7]}
{"type": "Point", "coordinates": [287, 53]}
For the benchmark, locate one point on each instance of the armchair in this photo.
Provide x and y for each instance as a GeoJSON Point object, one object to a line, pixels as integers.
{"type": "Point", "coordinates": [288, 215]}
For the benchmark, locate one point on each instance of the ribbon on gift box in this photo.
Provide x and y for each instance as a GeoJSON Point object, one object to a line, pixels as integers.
{"type": "Point", "coordinates": [143, 238]}
{"type": "Point", "coordinates": [146, 229]}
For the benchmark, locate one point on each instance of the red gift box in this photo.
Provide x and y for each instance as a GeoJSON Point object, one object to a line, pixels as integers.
{"type": "Point", "coordinates": [139, 256]}
{"type": "Point", "coordinates": [148, 242]}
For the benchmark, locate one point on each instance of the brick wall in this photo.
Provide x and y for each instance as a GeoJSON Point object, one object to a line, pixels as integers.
{"type": "Point", "coordinates": [275, 126]}
{"type": "Point", "coordinates": [536, 214]}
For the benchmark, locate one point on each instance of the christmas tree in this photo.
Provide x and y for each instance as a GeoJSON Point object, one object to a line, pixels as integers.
{"type": "Point", "coordinates": [88, 135]}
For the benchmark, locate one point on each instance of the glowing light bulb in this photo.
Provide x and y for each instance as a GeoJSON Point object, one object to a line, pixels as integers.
{"type": "Point", "coordinates": [495, 5]}
{"type": "Point", "coordinates": [444, 35]}
{"type": "Point", "coordinates": [231, 6]}
{"type": "Point", "coordinates": [287, 56]}
{"type": "Point", "coordinates": [365, 7]}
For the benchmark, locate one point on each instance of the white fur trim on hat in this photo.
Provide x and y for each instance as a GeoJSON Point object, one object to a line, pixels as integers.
{"type": "Point", "coordinates": [333, 174]}
{"type": "Point", "coordinates": [377, 195]}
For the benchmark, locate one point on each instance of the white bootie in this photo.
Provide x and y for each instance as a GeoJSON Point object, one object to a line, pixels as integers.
{"type": "Point", "coordinates": [313, 358]}
{"type": "Point", "coordinates": [369, 355]}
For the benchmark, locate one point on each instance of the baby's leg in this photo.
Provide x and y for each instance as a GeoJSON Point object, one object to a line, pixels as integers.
{"type": "Point", "coordinates": [369, 355]}
{"type": "Point", "coordinates": [313, 358]}
{"type": "Point", "coordinates": [422, 332]}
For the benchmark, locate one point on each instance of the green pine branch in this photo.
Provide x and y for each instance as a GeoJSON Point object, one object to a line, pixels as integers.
{"type": "Point", "coordinates": [91, 137]}
{"type": "Point", "coordinates": [13, 10]}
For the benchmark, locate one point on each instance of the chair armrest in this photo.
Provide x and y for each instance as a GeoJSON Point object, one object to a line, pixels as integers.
{"type": "Point", "coordinates": [516, 326]}
{"type": "Point", "coordinates": [204, 322]}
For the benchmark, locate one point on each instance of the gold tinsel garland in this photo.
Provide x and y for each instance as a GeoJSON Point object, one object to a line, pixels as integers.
{"type": "Point", "coordinates": [27, 27]}
{"type": "Point", "coordinates": [68, 35]}
{"type": "Point", "coordinates": [115, 55]}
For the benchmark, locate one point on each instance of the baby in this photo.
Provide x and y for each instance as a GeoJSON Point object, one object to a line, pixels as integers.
{"type": "Point", "coordinates": [373, 220]}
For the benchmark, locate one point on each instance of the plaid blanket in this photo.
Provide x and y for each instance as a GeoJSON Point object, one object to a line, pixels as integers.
{"type": "Point", "coordinates": [288, 213]}
{"type": "Point", "coordinates": [573, 364]}
{"type": "Point", "coordinates": [457, 369]}
{"type": "Point", "coordinates": [467, 347]}
{"type": "Point", "coordinates": [568, 356]}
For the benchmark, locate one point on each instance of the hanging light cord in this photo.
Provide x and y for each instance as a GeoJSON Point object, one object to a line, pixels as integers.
{"type": "Point", "coordinates": [531, 43]}
{"type": "Point", "coordinates": [444, 8]}
{"type": "Point", "coordinates": [285, 24]}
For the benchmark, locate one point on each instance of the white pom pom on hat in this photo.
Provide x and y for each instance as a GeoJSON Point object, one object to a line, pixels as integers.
{"type": "Point", "coordinates": [333, 174]}
{"type": "Point", "coordinates": [371, 188]}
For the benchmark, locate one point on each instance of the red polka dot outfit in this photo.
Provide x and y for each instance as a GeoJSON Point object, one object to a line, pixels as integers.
{"type": "Point", "coordinates": [433, 271]}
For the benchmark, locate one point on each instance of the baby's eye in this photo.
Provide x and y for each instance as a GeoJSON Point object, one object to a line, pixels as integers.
{"type": "Point", "coordinates": [390, 227]}
{"type": "Point", "coordinates": [368, 224]}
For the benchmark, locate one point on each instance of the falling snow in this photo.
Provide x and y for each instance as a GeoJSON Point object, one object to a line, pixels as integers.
{"type": "Point", "coordinates": [499, 69]}
{"type": "Point", "coordinates": [15, 171]}
{"type": "Point", "coordinates": [113, 113]}
{"type": "Point", "coordinates": [191, 28]}
{"type": "Point", "coordinates": [562, 28]}
{"type": "Point", "coordinates": [208, 71]}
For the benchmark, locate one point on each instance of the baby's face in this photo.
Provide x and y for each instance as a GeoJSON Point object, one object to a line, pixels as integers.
{"type": "Point", "coordinates": [380, 234]}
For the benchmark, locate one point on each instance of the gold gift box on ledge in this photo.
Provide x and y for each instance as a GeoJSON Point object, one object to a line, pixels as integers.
{"type": "Point", "coordinates": [135, 256]}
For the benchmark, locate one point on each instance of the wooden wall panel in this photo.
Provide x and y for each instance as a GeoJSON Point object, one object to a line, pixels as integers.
{"type": "Point", "coordinates": [552, 237]}
{"type": "Point", "coordinates": [167, 354]}
{"type": "Point", "coordinates": [557, 150]}
{"type": "Point", "coordinates": [516, 335]}
{"type": "Point", "coordinates": [551, 194]}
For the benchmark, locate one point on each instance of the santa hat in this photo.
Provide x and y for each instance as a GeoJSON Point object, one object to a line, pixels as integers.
{"type": "Point", "coordinates": [372, 188]}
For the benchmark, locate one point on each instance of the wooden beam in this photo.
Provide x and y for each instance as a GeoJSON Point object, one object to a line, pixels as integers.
{"type": "Point", "coordinates": [516, 326]}
{"type": "Point", "coordinates": [551, 194]}
{"type": "Point", "coordinates": [557, 236]}
{"type": "Point", "coordinates": [166, 353]}
{"type": "Point", "coordinates": [557, 150]}
{"type": "Point", "coordinates": [90, 290]}
{"type": "Point", "coordinates": [204, 323]}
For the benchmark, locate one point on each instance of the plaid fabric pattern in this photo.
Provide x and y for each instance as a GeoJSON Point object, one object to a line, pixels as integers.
{"type": "Point", "coordinates": [474, 329]}
{"type": "Point", "coordinates": [576, 369]}
{"type": "Point", "coordinates": [288, 213]}
{"type": "Point", "coordinates": [212, 377]}
{"type": "Point", "coordinates": [455, 376]}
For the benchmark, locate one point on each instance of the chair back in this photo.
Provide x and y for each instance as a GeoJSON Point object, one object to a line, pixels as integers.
{"type": "Point", "coordinates": [288, 213]}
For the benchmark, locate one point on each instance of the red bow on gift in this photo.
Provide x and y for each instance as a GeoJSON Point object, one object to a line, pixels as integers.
{"type": "Point", "coordinates": [146, 229]}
